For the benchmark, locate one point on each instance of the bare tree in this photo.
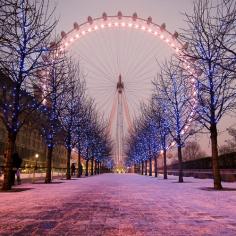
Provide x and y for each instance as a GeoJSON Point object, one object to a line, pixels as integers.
{"type": "Point", "coordinates": [24, 38]}
{"type": "Point", "coordinates": [160, 117]}
{"type": "Point", "coordinates": [173, 92]}
{"type": "Point", "coordinates": [192, 151]}
{"type": "Point", "coordinates": [206, 33]}
{"type": "Point", "coordinates": [230, 145]}
{"type": "Point", "coordinates": [57, 84]}
{"type": "Point", "coordinates": [70, 109]}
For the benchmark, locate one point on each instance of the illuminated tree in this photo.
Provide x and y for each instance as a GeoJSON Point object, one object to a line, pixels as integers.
{"type": "Point", "coordinates": [173, 92]}
{"type": "Point", "coordinates": [143, 144]}
{"type": "Point", "coordinates": [57, 84]}
{"type": "Point", "coordinates": [159, 115]}
{"type": "Point", "coordinates": [210, 36]}
{"type": "Point", "coordinates": [70, 109]}
{"type": "Point", "coordinates": [25, 28]}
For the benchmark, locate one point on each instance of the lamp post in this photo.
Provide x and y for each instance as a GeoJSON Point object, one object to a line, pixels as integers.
{"type": "Point", "coordinates": [35, 167]}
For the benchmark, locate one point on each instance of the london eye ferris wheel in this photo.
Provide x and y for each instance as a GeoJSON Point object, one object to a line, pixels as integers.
{"type": "Point", "coordinates": [118, 56]}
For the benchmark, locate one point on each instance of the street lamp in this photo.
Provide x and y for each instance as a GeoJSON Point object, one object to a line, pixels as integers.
{"type": "Point", "coordinates": [35, 167]}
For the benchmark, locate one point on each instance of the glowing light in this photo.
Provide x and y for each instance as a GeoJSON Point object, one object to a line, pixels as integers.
{"type": "Point", "coordinates": [136, 26]}
{"type": "Point", "coordinates": [177, 50]}
{"type": "Point", "coordinates": [123, 24]}
{"type": "Point", "coordinates": [95, 27]}
{"type": "Point", "coordinates": [155, 33]}
{"type": "Point", "coordinates": [130, 24]}
{"type": "Point", "coordinates": [109, 24]}
{"type": "Point", "coordinates": [102, 26]}
{"type": "Point", "coordinates": [149, 30]}
{"type": "Point", "coordinates": [83, 32]}
{"type": "Point", "coordinates": [89, 29]}
{"type": "Point", "coordinates": [116, 24]}
{"type": "Point", "coordinates": [71, 39]}
{"type": "Point", "coordinates": [167, 40]}
{"type": "Point", "coordinates": [162, 36]}
{"type": "Point", "coordinates": [143, 27]}
{"type": "Point", "coordinates": [172, 45]}
{"type": "Point", "coordinates": [66, 44]}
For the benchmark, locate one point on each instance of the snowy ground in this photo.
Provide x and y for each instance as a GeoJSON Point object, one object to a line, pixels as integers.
{"type": "Point", "coordinates": [113, 204]}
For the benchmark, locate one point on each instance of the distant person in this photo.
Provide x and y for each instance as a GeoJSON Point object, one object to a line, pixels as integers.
{"type": "Point", "coordinates": [73, 169]}
{"type": "Point", "coordinates": [80, 169]}
{"type": "Point", "coordinates": [16, 164]}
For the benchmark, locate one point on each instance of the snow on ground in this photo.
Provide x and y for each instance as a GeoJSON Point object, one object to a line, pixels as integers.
{"type": "Point", "coordinates": [112, 204]}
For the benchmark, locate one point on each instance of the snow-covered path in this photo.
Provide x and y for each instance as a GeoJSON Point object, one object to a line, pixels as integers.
{"type": "Point", "coordinates": [112, 204]}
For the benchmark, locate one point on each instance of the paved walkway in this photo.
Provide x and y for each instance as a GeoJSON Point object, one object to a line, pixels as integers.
{"type": "Point", "coordinates": [124, 205]}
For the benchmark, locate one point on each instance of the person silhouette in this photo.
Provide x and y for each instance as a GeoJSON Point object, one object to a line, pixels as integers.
{"type": "Point", "coordinates": [73, 169]}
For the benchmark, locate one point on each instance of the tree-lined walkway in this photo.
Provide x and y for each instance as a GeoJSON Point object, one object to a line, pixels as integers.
{"type": "Point", "coordinates": [113, 204]}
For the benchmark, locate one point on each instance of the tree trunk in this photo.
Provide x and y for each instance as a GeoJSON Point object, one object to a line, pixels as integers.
{"type": "Point", "coordinates": [95, 167]}
{"type": "Point", "coordinates": [165, 165]}
{"type": "Point", "coordinates": [86, 168]}
{"type": "Point", "coordinates": [155, 166]}
{"type": "Point", "coordinates": [48, 178]}
{"type": "Point", "coordinates": [215, 158]}
{"type": "Point", "coordinates": [7, 181]}
{"type": "Point", "coordinates": [99, 168]}
{"type": "Point", "coordinates": [150, 166]}
{"type": "Point", "coordinates": [79, 164]}
{"type": "Point", "coordinates": [142, 168]}
{"type": "Point", "coordinates": [68, 174]}
{"type": "Point", "coordinates": [92, 166]}
{"type": "Point", "coordinates": [181, 180]}
{"type": "Point", "coordinates": [145, 167]}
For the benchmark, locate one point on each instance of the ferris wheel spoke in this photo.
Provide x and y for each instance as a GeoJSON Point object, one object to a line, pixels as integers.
{"type": "Point", "coordinates": [107, 51]}
{"type": "Point", "coordinates": [95, 62]}
{"type": "Point", "coordinates": [140, 54]}
{"type": "Point", "coordinates": [95, 68]}
{"type": "Point", "coordinates": [134, 45]}
{"type": "Point", "coordinates": [101, 58]}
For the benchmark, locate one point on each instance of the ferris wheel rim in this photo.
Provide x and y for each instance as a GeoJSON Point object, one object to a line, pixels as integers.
{"type": "Point", "coordinates": [66, 40]}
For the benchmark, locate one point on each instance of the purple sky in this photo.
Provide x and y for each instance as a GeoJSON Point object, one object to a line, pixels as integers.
{"type": "Point", "coordinates": [168, 11]}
